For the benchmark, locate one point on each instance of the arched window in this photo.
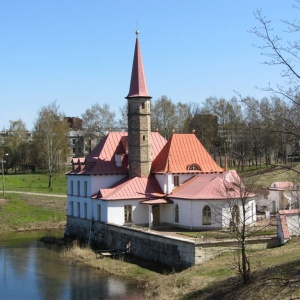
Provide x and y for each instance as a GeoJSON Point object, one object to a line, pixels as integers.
{"type": "Point", "coordinates": [235, 215]}
{"type": "Point", "coordinates": [206, 215]}
{"type": "Point", "coordinates": [176, 213]}
{"type": "Point", "coordinates": [193, 167]}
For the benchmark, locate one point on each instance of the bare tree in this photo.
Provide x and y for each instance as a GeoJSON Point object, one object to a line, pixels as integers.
{"type": "Point", "coordinates": [182, 112]}
{"type": "Point", "coordinates": [50, 138]}
{"type": "Point", "coordinates": [239, 216]}
{"type": "Point", "coordinates": [163, 117]}
{"type": "Point", "coordinates": [281, 49]}
{"type": "Point", "coordinates": [122, 123]}
{"type": "Point", "coordinates": [282, 52]}
{"type": "Point", "coordinates": [98, 121]}
{"type": "Point", "coordinates": [18, 144]}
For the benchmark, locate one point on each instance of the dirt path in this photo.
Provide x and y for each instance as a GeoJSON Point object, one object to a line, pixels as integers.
{"type": "Point", "coordinates": [37, 194]}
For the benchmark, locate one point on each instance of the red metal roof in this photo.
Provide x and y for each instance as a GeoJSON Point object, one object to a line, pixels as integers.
{"type": "Point", "coordinates": [211, 186]}
{"type": "Point", "coordinates": [138, 87]}
{"type": "Point", "coordinates": [132, 188]}
{"type": "Point", "coordinates": [281, 185]}
{"type": "Point", "coordinates": [284, 227]}
{"type": "Point", "coordinates": [283, 220]}
{"type": "Point", "coordinates": [289, 211]}
{"type": "Point", "coordinates": [101, 160]}
{"type": "Point", "coordinates": [182, 151]}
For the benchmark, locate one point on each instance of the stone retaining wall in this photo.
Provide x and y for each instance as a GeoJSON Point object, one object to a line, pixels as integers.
{"type": "Point", "coordinates": [174, 252]}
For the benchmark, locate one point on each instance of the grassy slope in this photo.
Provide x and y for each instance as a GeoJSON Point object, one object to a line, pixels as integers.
{"type": "Point", "coordinates": [37, 183]}
{"type": "Point", "coordinates": [29, 212]}
{"type": "Point", "coordinates": [275, 275]}
{"type": "Point", "coordinates": [264, 177]}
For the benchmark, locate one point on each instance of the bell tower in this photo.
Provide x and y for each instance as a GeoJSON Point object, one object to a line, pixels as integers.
{"type": "Point", "coordinates": [139, 122]}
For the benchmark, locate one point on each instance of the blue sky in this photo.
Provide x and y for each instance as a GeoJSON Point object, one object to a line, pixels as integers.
{"type": "Point", "coordinates": [78, 53]}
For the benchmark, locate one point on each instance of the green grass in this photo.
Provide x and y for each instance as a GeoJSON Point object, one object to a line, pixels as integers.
{"type": "Point", "coordinates": [264, 177]}
{"type": "Point", "coordinates": [219, 235]}
{"type": "Point", "coordinates": [27, 212]}
{"type": "Point", "coordinates": [36, 183]}
{"type": "Point", "coordinates": [275, 275]}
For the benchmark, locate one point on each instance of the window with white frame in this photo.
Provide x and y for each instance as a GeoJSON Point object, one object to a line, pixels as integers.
{"type": "Point", "coordinates": [85, 210]}
{"type": "Point", "coordinates": [235, 214]}
{"type": "Point", "coordinates": [71, 208]}
{"type": "Point", "coordinates": [193, 167]}
{"type": "Point", "coordinates": [176, 213]}
{"type": "Point", "coordinates": [206, 215]}
{"type": "Point", "coordinates": [99, 212]}
{"type": "Point", "coordinates": [176, 180]}
{"type": "Point", "coordinates": [85, 189]}
{"type": "Point", "coordinates": [128, 213]}
{"type": "Point", "coordinates": [78, 188]}
{"type": "Point", "coordinates": [71, 188]}
{"type": "Point", "coordinates": [78, 209]}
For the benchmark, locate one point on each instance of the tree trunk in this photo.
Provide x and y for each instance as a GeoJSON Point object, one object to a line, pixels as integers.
{"type": "Point", "coordinates": [245, 264]}
{"type": "Point", "coordinates": [50, 180]}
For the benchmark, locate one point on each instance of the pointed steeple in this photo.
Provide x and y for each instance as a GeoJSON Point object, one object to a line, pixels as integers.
{"type": "Point", "coordinates": [139, 120]}
{"type": "Point", "coordinates": [138, 86]}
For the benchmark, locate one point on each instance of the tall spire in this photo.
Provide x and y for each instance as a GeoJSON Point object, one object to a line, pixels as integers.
{"type": "Point", "coordinates": [138, 86]}
{"type": "Point", "coordinates": [139, 121]}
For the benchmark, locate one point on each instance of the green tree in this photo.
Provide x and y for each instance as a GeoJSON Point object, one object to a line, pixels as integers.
{"type": "Point", "coordinates": [50, 138]}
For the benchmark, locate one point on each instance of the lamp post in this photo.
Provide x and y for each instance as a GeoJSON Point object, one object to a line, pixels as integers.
{"type": "Point", "coordinates": [3, 186]}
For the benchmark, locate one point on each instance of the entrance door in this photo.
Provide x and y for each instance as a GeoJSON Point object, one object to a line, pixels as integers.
{"type": "Point", "coordinates": [155, 212]}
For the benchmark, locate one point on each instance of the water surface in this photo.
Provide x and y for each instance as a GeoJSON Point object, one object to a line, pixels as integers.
{"type": "Point", "coordinates": [29, 269]}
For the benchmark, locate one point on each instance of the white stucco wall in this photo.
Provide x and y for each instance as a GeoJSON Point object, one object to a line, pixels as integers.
{"type": "Point", "coordinates": [191, 213]}
{"type": "Point", "coordinates": [278, 199]}
{"type": "Point", "coordinates": [115, 211]}
{"type": "Point", "coordinates": [82, 195]}
{"type": "Point", "coordinates": [104, 182]}
{"type": "Point", "coordinates": [293, 222]}
{"type": "Point", "coordinates": [166, 181]}
{"type": "Point", "coordinates": [166, 213]}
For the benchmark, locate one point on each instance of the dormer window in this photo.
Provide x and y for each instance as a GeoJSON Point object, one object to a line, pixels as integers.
{"type": "Point", "coordinates": [194, 167]}
{"type": "Point", "coordinates": [176, 180]}
{"type": "Point", "coordinates": [118, 160]}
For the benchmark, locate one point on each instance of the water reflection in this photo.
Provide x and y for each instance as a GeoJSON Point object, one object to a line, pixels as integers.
{"type": "Point", "coordinates": [30, 270]}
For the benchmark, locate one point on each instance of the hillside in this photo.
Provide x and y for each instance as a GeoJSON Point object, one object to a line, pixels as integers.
{"type": "Point", "coordinates": [264, 177]}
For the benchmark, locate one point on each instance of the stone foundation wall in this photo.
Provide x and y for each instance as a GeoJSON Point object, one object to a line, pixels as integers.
{"type": "Point", "coordinates": [173, 252]}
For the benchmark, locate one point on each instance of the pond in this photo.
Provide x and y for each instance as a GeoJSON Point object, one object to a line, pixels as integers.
{"type": "Point", "coordinates": [29, 269]}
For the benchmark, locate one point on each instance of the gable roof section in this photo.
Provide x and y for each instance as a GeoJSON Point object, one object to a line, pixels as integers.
{"type": "Point", "coordinates": [281, 185]}
{"type": "Point", "coordinates": [211, 187]}
{"type": "Point", "coordinates": [182, 151]}
{"type": "Point", "coordinates": [157, 143]}
{"type": "Point", "coordinates": [132, 188]}
{"type": "Point", "coordinates": [101, 160]}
